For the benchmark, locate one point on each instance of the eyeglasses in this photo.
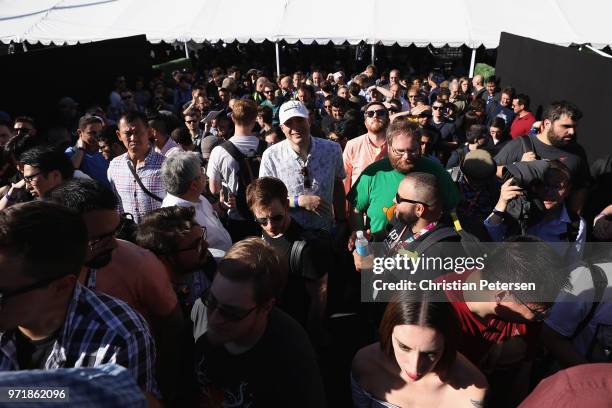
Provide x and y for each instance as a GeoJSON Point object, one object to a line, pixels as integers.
{"type": "Point", "coordinates": [307, 180]}
{"type": "Point", "coordinates": [393, 110]}
{"type": "Point", "coordinates": [381, 113]}
{"type": "Point", "coordinates": [229, 313]}
{"type": "Point", "coordinates": [434, 107]}
{"type": "Point", "coordinates": [4, 296]}
{"type": "Point", "coordinates": [268, 92]}
{"type": "Point", "coordinates": [538, 315]}
{"type": "Point", "coordinates": [275, 218]}
{"type": "Point", "coordinates": [31, 177]}
{"type": "Point", "coordinates": [411, 96]}
{"type": "Point", "coordinates": [401, 153]}
{"type": "Point", "coordinates": [197, 244]}
{"type": "Point", "coordinates": [102, 238]}
{"type": "Point", "coordinates": [399, 200]}
{"type": "Point", "coordinates": [191, 121]}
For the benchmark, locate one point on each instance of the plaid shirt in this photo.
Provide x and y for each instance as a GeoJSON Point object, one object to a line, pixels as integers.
{"type": "Point", "coordinates": [98, 329]}
{"type": "Point", "coordinates": [108, 385]}
{"type": "Point", "coordinates": [131, 197]}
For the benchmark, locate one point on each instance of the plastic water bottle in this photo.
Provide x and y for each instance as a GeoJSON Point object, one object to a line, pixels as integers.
{"type": "Point", "coordinates": [361, 245]}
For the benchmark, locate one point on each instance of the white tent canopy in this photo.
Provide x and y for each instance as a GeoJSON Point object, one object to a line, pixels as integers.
{"type": "Point", "coordinates": [454, 22]}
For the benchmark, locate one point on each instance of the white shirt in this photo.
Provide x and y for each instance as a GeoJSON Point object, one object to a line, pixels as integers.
{"type": "Point", "coordinates": [217, 236]}
{"type": "Point", "coordinates": [325, 167]}
{"type": "Point", "coordinates": [223, 169]}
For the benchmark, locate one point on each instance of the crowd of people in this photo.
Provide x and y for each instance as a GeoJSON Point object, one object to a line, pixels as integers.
{"type": "Point", "coordinates": [200, 231]}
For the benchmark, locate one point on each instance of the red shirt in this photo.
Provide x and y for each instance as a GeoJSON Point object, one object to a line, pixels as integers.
{"type": "Point", "coordinates": [521, 126]}
{"type": "Point", "coordinates": [490, 343]}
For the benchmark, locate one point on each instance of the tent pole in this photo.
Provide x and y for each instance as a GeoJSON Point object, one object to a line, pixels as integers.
{"type": "Point", "coordinates": [186, 50]}
{"type": "Point", "coordinates": [23, 45]}
{"type": "Point", "coordinates": [277, 60]}
{"type": "Point", "coordinates": [472, 62]}
{"type": "Point", "coordinates": [373, 54]}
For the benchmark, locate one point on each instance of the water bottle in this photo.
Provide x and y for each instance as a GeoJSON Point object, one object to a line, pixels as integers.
{"type": "Point", "coordinates": [361, 245]}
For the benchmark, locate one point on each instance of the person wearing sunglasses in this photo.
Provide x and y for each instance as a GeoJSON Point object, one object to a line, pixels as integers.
{"type": "Point", "coordinates": [49, 320]}
{"type": "Point", "coordinates": [364, 150]}
{"type": "Point", "coordinates": [307, 255]}
{"type": "Point", "coordinates": [447, 131]}
{"type": "Point", "coordinates": [192, 122]}
{"type": "Point", "coordinates": [500, 326]}
{"type": "Point", "coordinates": [146, 288]}
{"type": "Point", "coordinates": [250, 347]}
{"type": "Point", "coordinates": [310, 167]}
{"type": "Point", "coordinates": [372, 195]}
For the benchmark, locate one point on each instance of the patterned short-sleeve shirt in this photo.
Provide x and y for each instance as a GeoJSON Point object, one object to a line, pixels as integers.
{"type": "Point", "coordinates": [324, 167]}
{"type": "Point", "coordinates": [129, 194]}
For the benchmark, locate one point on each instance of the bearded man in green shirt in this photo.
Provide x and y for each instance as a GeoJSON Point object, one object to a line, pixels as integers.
{"type": "Point", "coordinates": [372, 196]}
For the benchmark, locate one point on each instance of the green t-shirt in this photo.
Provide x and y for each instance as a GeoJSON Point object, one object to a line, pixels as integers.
{"type": "Point", "coordinates": [374, 191]}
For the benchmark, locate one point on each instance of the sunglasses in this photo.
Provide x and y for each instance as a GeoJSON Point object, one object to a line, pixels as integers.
{"type": "Point", "coordinates": [538, 315]}
{"type": "Point", "coordinates": [437, 107]}
{"type": "Point", "coordinates": [382, 113]}
{"type": "Point", "coordinates": [190, 121]}
{"type": "Point", "coordinates": [393, 110]}
{"type": "Point", "coordinates": [306, 175]}
{"type": "Point", "coordinates": [399, 200]}
{"type": "Point", "coordinates": [275, 219]}
{"type": "Point", "coordinates": [229, 313]}
{"type": "Point", "coordinates": [198, 242]}
{"type": "Point", "coordinates": [4, 296]}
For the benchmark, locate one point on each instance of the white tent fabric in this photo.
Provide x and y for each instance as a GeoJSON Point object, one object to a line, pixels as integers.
{"type": "Point", "coordinates": [455, 22]}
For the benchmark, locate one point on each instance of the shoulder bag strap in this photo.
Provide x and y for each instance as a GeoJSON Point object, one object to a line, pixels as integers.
{"type": "Point", "coordinates": [600, 283]}
{"type": "Point", "coordinates": [139, 181]}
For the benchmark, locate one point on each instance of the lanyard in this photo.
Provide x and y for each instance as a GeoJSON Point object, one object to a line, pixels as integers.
{"type": "Point", "coordinates": [415, 236]}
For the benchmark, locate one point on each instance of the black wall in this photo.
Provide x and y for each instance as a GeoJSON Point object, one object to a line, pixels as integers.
{"type": "Point", "coordinates": [31, 83]}
{"type": "Point", "coordinates": [549, 73]}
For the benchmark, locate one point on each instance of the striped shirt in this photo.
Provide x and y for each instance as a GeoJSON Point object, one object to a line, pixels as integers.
{"type": "Point", "coordinates": [129, 194]}
{"type": "Point", "coordinates": [98, 329]}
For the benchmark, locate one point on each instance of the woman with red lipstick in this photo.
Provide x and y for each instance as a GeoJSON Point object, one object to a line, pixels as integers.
{"type": "Point", "coordinates": [416, 363]}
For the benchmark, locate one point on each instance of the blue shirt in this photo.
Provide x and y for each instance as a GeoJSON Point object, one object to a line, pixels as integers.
{"type": "Point", "coordinates": [93, 164]}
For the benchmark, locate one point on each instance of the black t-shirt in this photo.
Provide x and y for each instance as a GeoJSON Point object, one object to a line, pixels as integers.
{"type": "Point", "coordinates": [32, 354]}
{"type": "Point", "coordinates": [445, 129]}
{"type": "Point", "coordinates": [316, 261]}
{"type": "Point", "coordinates": [279, 371]}
{"type": "Point", "coordinates": [572, 155]}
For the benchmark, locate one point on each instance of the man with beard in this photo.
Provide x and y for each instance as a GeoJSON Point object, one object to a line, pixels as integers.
{"type": "Point", "coordinates": [122, 269]}
{"type": "Point", "coordinates": [417, 216]}
{"type": "Point", "coordinates": [372, 195]}
{"type": "Point", "coordinates": [364, 150]}
{"type": "Point", "coordinates": [556, 140]}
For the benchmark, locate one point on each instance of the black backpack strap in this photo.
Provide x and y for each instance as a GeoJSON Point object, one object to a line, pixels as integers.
{"type": "Point", "coordinates": [142, 186]}
{"type": "Point", "coordinates": [527, 144]}
{"type": "Point", "coordinates": [434, 237]}
{"type": "Point", "coordinates": [295, 257]}
{"type": "Point", "coordinates": [600, 283]}
{"type": "Point", "coordinates": [233, 151]}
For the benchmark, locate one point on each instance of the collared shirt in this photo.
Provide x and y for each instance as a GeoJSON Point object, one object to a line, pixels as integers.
{"type": "Point", "coordinates": [170, 147]}
{"type": "Point", "coordinates": [131, 197]}
{"type": "Point", "coordinates": [522, 126]}
{"type": "Point", "coordinates": [358, 154]}
{"type": "Point", "coordinates": [324, 165]}
{"type": "Point", "coordinates": [98, 329]}
{"type": "Point", "coordinates": [217, 236]}
{"type": "Point", "coordinates": [108, 385]}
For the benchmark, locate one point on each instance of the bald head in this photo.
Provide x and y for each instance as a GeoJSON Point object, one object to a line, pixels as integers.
{"type": "Point", "coordinates": [422, 187]}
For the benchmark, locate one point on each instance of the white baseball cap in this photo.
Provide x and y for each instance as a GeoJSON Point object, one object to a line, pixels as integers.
{"type": "Point", "coordinates": [292, 109]}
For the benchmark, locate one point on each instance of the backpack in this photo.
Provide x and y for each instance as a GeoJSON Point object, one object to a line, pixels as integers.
{"type": "Point", "coordinates": [599, 349]}
{"type": "Point", "coordinates": [321, 236]}
{"type": "Point", "coordinates": [248, 171]}
{"type": "Point", "coordinates": [470, 243]}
